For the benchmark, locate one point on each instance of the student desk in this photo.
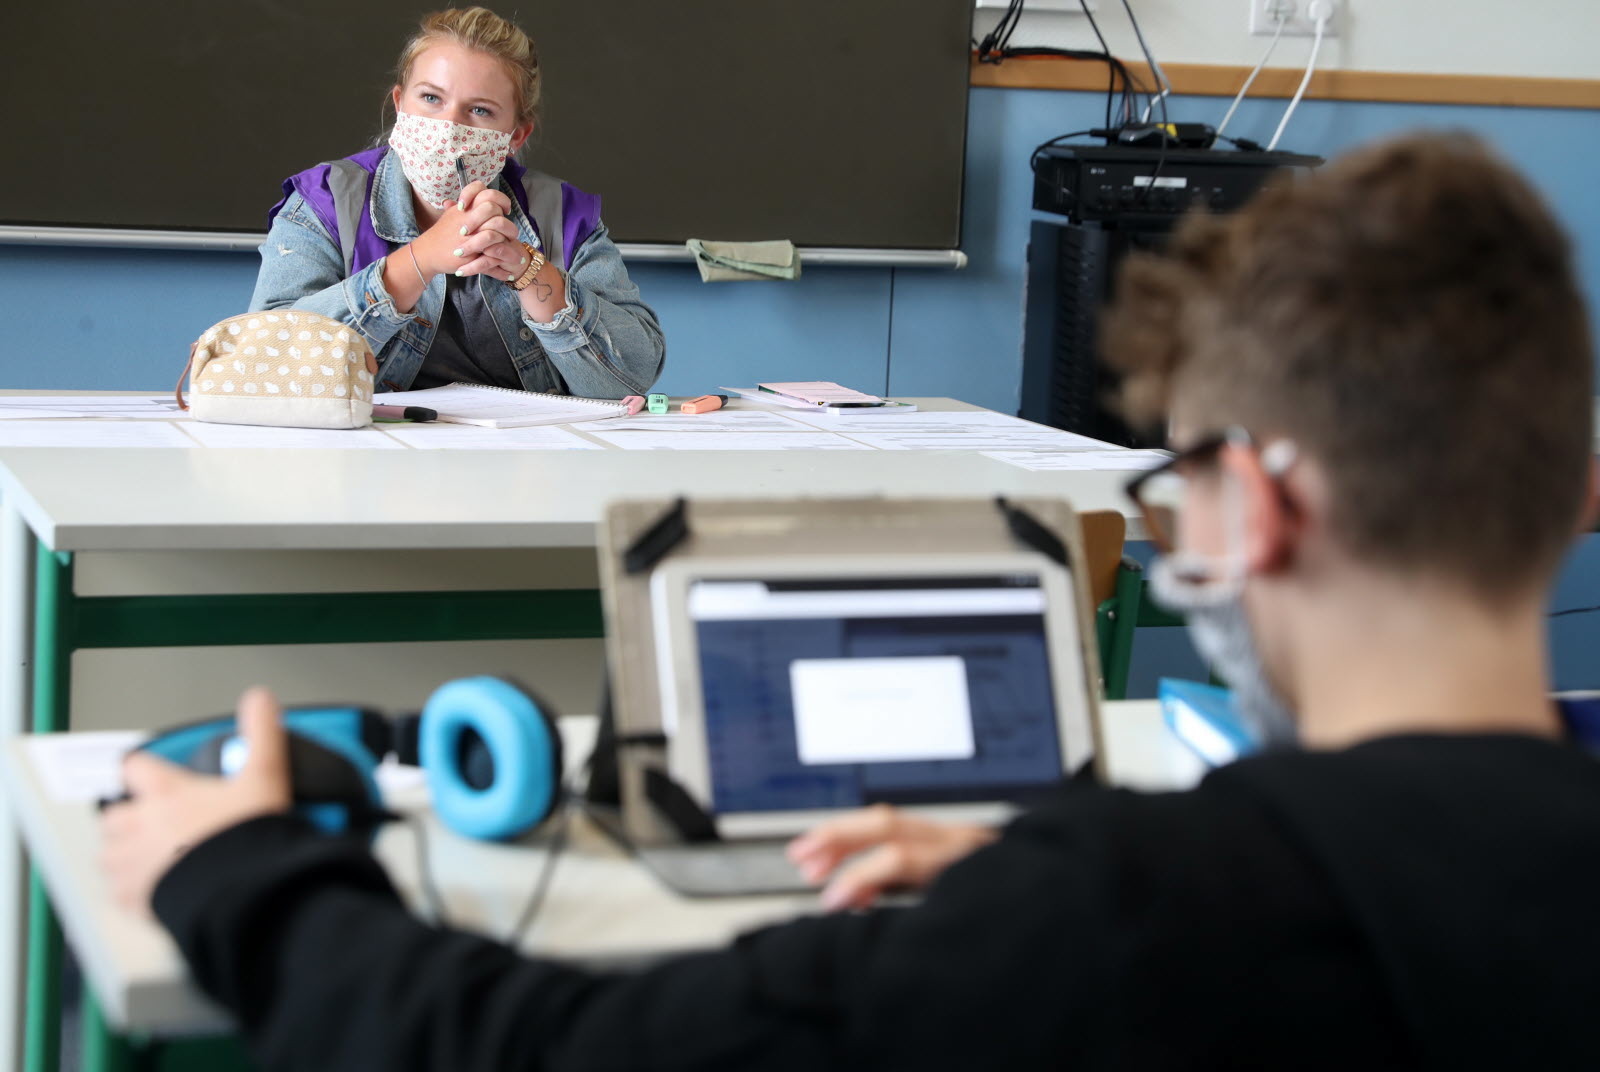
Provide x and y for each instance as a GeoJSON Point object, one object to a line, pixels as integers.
{"type": "Point", "coordinates": [56, 503]}
{"type": "Point", "coordinates": [602, 908]}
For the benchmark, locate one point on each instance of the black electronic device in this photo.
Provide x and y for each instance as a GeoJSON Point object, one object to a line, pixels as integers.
{"type": "Point", "coordinates": [1172, 135]}
{"type": "Point", "coordinates": [1136, 186]}
{"type": "Point", "coordinates": [489, 747]}
{"type": "Point", "coordinates": [1108, 201]}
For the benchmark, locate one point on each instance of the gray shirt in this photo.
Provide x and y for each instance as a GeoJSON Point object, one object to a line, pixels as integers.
{"type": "Point", "coordinates": [467, 347]}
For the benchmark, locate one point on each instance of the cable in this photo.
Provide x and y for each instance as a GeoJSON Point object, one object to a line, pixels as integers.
{"type": "Point", "coordinates": [430, 892]}
{"type": "Point", "coordinates": [1243, 143]}
{"type": "Point", "coordinates": [558, 844]}
{"type": "Point", "coordinates": [1033, 158]}
{"type": "Point", "coordinates": [1573, 610]}
{"type": "Point", "coordinates": [1311, 66]}
{"type": "Point", "coordinates": [992, 48]}
{"type": "Point", "coordinates": [1248, 82]}
{"type": "Point", "coordinates": [553, 850]}
{"type": "Point", "coordinates": [1105, 48]}
{"type": "Point", "coordinates": [996, 48]}
{"type": "Point", "coordinates": [1164, 86]}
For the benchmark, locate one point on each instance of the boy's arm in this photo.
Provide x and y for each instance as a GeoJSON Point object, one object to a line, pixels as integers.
{"type": "Point", "coordinates": [304, 939]}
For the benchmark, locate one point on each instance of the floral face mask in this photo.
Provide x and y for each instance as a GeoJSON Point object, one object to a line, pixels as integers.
{"type": "Point", "coordinates": [440, 157]}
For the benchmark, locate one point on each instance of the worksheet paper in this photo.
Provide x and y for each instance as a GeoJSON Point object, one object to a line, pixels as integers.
{"type": "Point", "coordinates": [1030, 438]}
{"type": "Point", "coordinates": [954, 430]}
{"type": "Point", "coordinates": [439, 436]}
{"type": "Point", "coordinates": [820, 392]}
{"type": "Point", "coordinates": [728, 441]}
{"type": "Point", "coordinates": [939, 423]}
{"type": "Point", "coordinates": [255, 436]}
{"type": "Point", "coordinates": [82, 767]}
{"type": "Point", "coordinates": [120, 407]}
{"type": "Point", "coordinates": [18, 413]}
{"type": "Point", "coordinates": [719, 420]}
{"type": "Point", "coordinates": [119, 434]}
{"type": "Point", "coordinates": [1082, 460]}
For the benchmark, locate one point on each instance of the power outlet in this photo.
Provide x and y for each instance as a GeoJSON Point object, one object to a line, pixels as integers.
{"type": "Point", "coordinates": [1296, 16]}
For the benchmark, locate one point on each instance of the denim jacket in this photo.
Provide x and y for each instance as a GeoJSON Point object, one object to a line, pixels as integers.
{"type": "Point", "coordinates": [606, 343]}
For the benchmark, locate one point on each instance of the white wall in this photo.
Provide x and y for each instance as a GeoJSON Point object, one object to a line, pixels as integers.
{"type": "Point", "coordinates": [1549, 38]}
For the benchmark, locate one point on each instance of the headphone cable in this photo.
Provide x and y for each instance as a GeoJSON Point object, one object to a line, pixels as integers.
{"type": "Point", "coordinates": [530, 911]}
{"type": "Point", "coordinates": [553, 851]}
{"type": "Point", "coordinates": [430, 890]}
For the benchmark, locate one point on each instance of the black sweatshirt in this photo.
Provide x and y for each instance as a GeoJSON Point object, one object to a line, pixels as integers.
{"type": "Point", "coordinates": [1415, 902]}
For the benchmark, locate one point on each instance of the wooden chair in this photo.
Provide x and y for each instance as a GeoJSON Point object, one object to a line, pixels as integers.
{"type": "Point", "coordinates": [1114, 595]}
{"type": "Point", "coordinates": [1117, 589]}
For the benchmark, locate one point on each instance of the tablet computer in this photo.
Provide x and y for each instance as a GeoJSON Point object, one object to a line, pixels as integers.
{"type": "Point", "coordinates": [797, 687]}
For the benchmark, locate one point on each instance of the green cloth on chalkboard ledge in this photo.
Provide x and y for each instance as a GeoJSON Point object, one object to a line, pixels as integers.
{"type": "Point", "coordinates": [722, 261]}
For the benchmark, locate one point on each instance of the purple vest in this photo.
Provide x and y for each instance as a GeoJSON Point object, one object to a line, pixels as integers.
{"type": "Point", "coordinates": [579, 216]}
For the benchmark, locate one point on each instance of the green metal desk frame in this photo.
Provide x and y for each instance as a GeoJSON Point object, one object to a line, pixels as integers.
{"type": "Point", "coordinates": [65, 622]}
{"type": "Point", "coordinates": [1116, 619]}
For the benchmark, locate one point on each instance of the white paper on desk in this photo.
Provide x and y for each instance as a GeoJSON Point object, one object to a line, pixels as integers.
{"type": "Point", "coordinates": [756, 394]}
{"type": "Point", "coordinates": [821, 392]}
{"type": "Point", "coordinates": [118, 434]}
{"type": "Point", "coordinates": [258, 436]}
{"type": "Point", "coordinates": [1082, 460]}
{"type": "Point", "coordinates": [973, 422]}
{"type": "Point", "coordinates": [436, 435]}
{"type": "Point", "coordinates": [1031, 437]}
{"type": "Point", "coordinates": [121, 407]}
{"type": "Point", "coordinates": [81, 766]}
{"type": "Point", "coordinates": [728, 441]}
{"type": "Point", "coordinates": [14, 414]}
{"type": "Point", "coordinates": [718, 420]}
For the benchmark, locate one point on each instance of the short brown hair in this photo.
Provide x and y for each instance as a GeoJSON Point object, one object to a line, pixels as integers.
{"type": "Point", "coordinates": [1409, 316]}
{"type": "Point", "coordinates": [481, 30]}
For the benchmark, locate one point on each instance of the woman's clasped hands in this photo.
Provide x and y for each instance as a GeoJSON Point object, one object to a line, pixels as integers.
{"type": "Point", "coordinates": [475, 236]}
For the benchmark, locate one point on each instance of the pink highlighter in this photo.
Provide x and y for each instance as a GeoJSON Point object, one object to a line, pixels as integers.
{"type": "Point", "coordinates": [635, 403]}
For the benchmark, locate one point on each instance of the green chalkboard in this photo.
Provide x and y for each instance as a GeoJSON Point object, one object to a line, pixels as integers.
{"type": "Point", "coordinates": [829, 122]}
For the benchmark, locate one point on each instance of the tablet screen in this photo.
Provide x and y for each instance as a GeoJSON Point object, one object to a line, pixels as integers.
{"type": "Point", "coordinates": [837, 694]}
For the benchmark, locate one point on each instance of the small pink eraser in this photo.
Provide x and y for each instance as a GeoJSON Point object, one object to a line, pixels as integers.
{"type": "Point", "coordinates": [635, 403]}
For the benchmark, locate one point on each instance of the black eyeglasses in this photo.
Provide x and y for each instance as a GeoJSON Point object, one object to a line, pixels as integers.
{"type": "Point", "coordinates": [1158, 492]}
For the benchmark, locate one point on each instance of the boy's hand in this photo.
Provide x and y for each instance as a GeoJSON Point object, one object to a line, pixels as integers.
{"type": "Point", "coordinates": [174, 809]}
{"type": "Point", "coordinates": [905, 851]}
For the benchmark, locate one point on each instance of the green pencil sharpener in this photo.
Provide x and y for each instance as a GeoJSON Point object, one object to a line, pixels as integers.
{"type": "Point", "coordinates": [656, 403]}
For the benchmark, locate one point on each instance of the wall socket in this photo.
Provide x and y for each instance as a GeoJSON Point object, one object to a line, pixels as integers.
{"type": "Point", "coordinates": [1265, 15]}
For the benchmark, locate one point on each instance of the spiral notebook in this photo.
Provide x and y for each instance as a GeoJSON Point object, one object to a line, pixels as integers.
{"type": "Point", "coordinates": [503, 407]}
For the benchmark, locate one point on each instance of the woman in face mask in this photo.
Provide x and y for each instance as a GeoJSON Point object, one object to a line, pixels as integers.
{"type": "Point", "coordinates": [451, 259]}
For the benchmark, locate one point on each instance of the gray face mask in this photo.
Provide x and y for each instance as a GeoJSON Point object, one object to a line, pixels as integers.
{"type": "Point", "coordinates": [1221, 633]}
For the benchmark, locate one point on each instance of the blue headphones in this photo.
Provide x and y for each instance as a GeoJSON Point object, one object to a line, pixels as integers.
{"type": "Point", "coordinates": [489, 747]}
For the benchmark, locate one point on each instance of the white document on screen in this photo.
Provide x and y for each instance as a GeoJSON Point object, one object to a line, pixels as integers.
{"type": "Point", "coordinates": [881, 710]}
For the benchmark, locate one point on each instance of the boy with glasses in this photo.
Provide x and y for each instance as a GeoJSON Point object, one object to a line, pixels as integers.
{"type": "Point", "coordinates": [1379, 383]}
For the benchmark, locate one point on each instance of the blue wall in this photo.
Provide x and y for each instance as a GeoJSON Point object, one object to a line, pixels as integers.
{"type": "Point", "coordinates": [84, 318]}
{"type": "Point", "coordinates": [123, 319]}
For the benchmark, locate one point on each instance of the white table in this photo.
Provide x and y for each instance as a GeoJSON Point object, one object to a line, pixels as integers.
{"type": "Point", "coordinates": [602, 907]}
{"type": "Point", "coordinates": [271, 502]}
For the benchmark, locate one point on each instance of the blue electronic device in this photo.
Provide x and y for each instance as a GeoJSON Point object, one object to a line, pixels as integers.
{"type": "Point", "coordinates": [1204, 718]}
{"type": "Point", "coordinates": [489, 748]}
